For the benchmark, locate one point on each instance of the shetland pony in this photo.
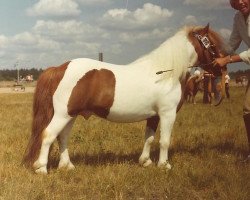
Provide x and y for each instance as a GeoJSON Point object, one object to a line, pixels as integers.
{"type": "Point", "coordinates": [118, 93]}
{"type": "Point", "coordinates": [193, 85]}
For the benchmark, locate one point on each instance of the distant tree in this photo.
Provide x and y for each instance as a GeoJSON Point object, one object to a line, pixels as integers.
{"type": "Point", "coordinates": [11, 74]}
{"type": "Point", "coordinates": [239, 73]}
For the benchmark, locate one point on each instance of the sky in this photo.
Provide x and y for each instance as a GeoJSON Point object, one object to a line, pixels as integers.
{"type": "Point", "coordinates": [42, 33]}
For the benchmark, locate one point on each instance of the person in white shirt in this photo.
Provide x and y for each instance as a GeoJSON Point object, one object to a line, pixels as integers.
{"type": "Point", "coordinates": [227, 79]}
{"type": "Point", "coordinates": [240, 32]}
{"type": "Point", "coordinates": [197, 72]}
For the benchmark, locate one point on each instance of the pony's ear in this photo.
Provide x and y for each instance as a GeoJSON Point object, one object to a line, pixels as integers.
{"type": "Point", "coordinates": [206, 28]}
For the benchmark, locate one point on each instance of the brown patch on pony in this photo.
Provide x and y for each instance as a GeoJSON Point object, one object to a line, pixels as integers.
{"type": "Point", "coordinates": [93, 93]}
{"type": "Point", "coordinates": [42, 110]}
{"type": "Point", "coordinates": [153, 122]}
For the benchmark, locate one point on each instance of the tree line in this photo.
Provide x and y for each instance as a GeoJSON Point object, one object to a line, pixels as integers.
{"type": "Point", "coordinates": [239, 73]}
{"type": "Point", "coordinates": [11, 74]}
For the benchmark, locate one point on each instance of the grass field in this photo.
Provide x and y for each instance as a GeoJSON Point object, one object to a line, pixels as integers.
{"type": "Point", "coordinates": [206, 144]}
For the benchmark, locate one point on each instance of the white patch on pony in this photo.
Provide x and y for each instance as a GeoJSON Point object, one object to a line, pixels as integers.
{"type": "Point", "coordinates": [138, 90]}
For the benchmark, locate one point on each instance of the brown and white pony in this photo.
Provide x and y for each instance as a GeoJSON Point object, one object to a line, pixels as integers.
{"type": "Point", "coordinates": [129, 93]}
{"type": "Point", "coordinates": [193, 85]}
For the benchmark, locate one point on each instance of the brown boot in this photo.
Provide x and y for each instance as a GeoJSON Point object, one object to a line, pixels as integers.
{"type": "Point", "coordinates": [218, 97]}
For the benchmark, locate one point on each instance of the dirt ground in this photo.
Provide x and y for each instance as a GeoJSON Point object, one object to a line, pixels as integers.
{"type": "Point", "coordinates": [10, 87]}
{"type": "Point", "coordinates": [17, 90]}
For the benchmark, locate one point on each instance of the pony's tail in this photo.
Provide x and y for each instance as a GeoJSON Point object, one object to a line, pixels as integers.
{"type": "Point", "coordinates": [43, 110]}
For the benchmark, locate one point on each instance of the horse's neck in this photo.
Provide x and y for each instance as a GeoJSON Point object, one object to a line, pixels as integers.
{"type": "Point", "coordinates": [174, 55]}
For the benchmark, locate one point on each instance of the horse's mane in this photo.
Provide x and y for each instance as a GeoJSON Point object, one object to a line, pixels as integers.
{"type": "Point", "coordinates": [173, 53]}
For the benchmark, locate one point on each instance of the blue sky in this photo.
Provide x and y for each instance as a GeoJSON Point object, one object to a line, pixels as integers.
{"type": "Point", "coordinates": [41, 33]}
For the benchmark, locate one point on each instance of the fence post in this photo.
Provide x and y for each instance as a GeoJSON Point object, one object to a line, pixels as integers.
{"type": "Point", "coordinates": [101, 57]}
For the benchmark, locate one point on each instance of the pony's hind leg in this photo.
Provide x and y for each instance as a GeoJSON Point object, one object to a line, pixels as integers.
{"type": "Point", "coordinates": [50, 133]}
{"type": "Point", "coordinates": [63, 143]}
{"type": "Point", "coordinates": [152, 124]}
{"type": "Point", "coordinates": [193, 99]}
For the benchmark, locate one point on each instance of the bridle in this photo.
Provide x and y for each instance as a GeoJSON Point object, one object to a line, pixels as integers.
{"type": "Point", "coordinates": [205, 43]}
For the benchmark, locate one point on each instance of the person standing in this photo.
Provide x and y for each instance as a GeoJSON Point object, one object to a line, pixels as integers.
{"type": "Point", "coordinates": [227, 79]}
{"type": "Point", "coordinates": [240, 32]}
{"type": "Point", "coordinates": [207, 96]}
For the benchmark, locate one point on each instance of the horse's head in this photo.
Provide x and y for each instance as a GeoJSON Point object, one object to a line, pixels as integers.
{"type": "Point", "coordinates": [208, 46]}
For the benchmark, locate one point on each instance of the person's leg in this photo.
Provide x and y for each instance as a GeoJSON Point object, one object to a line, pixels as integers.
{"type": "Point", "coordinates": [246, 116]}
{"type": "Point", "coordinates": [205, 94]}
{"type": "Point", "coordinates": [227, 90]}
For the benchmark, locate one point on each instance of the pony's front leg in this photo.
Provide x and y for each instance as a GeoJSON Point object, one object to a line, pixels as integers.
{"type": "Point", "coordinates": [63, 143]}
{"type": "Point", "coordinates": [152, 124]}
{"type": "Point", "coordinates": [49, 135]}
{"type": "Point", "coordinates": [166, 124]}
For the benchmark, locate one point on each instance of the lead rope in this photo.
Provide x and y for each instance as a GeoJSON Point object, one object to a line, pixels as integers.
{"type": "Point", "coordinates": [169, 70]}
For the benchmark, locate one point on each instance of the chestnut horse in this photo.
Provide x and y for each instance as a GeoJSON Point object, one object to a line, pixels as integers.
{"type": "Point", "coordinates": [193, 85]}
{"type": "Point", "coordinates": [129, 93]}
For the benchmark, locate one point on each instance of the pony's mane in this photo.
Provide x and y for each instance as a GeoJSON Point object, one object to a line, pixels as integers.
{"type": "Point", "coordinates": [173, 53]}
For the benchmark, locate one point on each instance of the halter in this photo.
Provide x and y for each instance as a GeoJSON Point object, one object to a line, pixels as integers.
{"type": "Point", "coordinates": [205, 42]}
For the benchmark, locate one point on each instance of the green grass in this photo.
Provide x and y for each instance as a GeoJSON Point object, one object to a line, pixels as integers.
{"type": "Point", "coordinates": [206, 144]}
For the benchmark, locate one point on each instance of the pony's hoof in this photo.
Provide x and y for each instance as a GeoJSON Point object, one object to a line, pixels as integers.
{"type": "Point", "coordinates": [145, 162]}
{"type": "Point", "coordinates": [166, 165]}
{"type": "Point", "coordinates": [41, 170]}
{"type": "Point", "coordinates": [70, 166]}
{"type": "Point", "coordinates": [67, 166]}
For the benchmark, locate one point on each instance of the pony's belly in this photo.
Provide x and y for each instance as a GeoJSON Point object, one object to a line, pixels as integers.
{"type": "Point", "coordinates": [116, 116]}
{"type": "Point", "coordinates": [131, 106]}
